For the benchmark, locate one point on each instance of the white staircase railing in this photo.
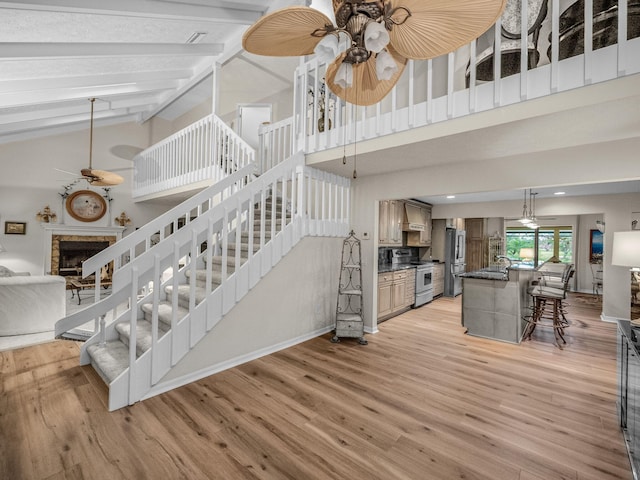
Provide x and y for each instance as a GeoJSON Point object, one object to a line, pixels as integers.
{"type": "Point", "coordinates": [144, 240]}
{"type": "Point", "coordinates": [276, 143]}
{"type": "Point", "coordinates": [313, 203]}
{"type": "Point", "coordinates": [206, 151]}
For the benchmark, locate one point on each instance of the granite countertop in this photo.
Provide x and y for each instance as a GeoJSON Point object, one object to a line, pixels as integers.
{"type": "Point", "coordinates": [489, 273]}
{"type": "Point", "coordinates": [389, 267]}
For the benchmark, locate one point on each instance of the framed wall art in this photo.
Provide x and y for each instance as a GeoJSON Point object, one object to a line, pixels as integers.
{"type": "Point", "coordinates": [15, 228]}
{"type": "Point", "coordinates": [596, 250]}
{"type": "Point", "coordinates": [86, 206]}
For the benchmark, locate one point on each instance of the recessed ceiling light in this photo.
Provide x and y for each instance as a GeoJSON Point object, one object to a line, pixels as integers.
{"type": "Point", "coordinates": [451, 197]}
{"type": "Point", "coordinates": [559, 193]}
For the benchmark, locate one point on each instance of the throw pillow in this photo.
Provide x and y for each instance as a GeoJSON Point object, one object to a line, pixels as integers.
{"type": "Point", "coordinates": [5, 272]}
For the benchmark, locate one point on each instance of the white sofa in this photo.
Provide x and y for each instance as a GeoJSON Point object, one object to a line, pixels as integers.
{"type": "Point", "coordinates": [31, 304]}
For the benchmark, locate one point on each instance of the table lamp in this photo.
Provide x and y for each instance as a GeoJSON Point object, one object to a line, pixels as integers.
{"type": "Point", "coordinates": [626, 253]}
{"type": "Point", "coordinates": [526, 254]}
{"type": "Point", "coordinates": [626, 249]}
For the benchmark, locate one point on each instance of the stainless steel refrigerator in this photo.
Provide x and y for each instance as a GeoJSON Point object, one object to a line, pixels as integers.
{"type": "Point", "coordinates": [454, 253]}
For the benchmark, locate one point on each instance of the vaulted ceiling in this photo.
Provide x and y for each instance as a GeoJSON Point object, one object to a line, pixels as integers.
{"type": "Point", "coordinates": [139, 58]}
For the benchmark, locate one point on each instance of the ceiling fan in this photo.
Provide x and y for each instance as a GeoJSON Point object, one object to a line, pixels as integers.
{"type": "Point", "coordinates": [371, 41]}
{"type": "Point", "coordinates": [97, 178]}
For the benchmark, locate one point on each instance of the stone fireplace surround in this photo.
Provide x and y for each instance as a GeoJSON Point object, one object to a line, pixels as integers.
{"type": "Point", "coordinates": [56, 249]}
{"type": "Point", "coordinates": [55, 233]}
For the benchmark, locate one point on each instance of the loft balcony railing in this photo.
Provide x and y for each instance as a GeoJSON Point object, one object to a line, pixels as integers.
{"type": "Point", "coordinates": [204, 152]}
{"type": "Point", "coordinates": [554, 58]}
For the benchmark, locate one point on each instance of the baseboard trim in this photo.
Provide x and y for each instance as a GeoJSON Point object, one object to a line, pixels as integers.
{"type": "Point", "coordinates": [608, 319]}
{"type": "Point", "coordinates": [234, 362]}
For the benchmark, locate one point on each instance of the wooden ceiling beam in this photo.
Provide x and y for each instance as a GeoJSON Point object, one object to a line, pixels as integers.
{"type": "Point", "coordinates": [48, 83]}
{"type": "Point", "coordinates": [239, 13]}
{"type": "Point", "coordinates": [15, 50]}
{"type": "Point", "coordinates": [42, 97]}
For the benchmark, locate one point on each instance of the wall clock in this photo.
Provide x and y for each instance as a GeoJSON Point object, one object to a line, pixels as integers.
{"type": "Point", "coordinates": [86, 206]}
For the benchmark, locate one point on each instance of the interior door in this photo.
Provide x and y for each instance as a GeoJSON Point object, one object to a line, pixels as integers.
{"type": "Point", "coordinates": [250, 117]}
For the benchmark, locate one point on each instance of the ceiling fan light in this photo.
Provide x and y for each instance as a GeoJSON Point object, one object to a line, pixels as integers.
{"type": "Point", "coordinates": [525, 221]}
{"type": "Point", "coordinates": [386, 66]}
{"type": "Point", "coordinates": [327, 49]}
{"type": "Point", "coordinates": [376, 37]}
{"type": "Point", "coordinates": [344, 75]}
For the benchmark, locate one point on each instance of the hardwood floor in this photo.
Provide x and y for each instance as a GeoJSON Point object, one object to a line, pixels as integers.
{"type": "Point", "coordinates": [421, 401]}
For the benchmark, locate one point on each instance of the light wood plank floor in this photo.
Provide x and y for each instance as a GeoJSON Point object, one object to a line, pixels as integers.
{"type": "Point", "coordinates": [421, 401]}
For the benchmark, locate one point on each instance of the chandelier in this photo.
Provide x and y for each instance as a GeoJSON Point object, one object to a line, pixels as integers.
{"type": "Point", "coordinates": [528, 218]}
{"type": "Point", "coordinates": [370, 42]}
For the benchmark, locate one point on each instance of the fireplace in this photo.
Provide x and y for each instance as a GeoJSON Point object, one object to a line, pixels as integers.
{"type": "Point", "coordinates": [56, 233]}
{"type": "Point", "coordinates": [74, 252]}
{"type": "Point", "coordinates": [69, 251]}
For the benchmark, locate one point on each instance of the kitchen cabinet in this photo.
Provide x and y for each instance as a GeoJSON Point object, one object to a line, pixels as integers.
{"type": "Point", "coordinates": [438, 279]}
{"type": "Point", "coordinates": [476, 244]}
{"type": "Point", "coordinates": [390, 223]}
{"type": "Point", "coordinates": [457, 223]}
{"type": "Point", "coordinates": [385, 294]}
{"type": "Point", "coordinates": [399, 291]}
{"type": "Point", "coordinates": [410, 289]}
{"type": "Point", "coordinates": [396, 292]}
{"type": "Point", "coordinates": [496, 309]}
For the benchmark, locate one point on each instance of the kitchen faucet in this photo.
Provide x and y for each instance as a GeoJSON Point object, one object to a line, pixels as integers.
{"type": "Point", "coordinates": [504, 257]}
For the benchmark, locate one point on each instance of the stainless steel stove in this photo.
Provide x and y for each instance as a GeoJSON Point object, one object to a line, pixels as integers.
{"type": "Point", "coordinates": [424, 284]}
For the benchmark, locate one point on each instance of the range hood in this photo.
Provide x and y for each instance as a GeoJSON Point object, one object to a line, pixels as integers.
{"type": "Point", "coordinates": [413, 221]}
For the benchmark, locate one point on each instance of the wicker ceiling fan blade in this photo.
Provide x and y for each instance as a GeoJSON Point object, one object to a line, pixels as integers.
{"type": "Point", "coordinates": [367, 89]}
{"type": "Point", "coordinates": [438, 27]}
{"type": "Point", "coordinates": [286, 32]}
{"type": "Point", "coordinates": [101, 178]}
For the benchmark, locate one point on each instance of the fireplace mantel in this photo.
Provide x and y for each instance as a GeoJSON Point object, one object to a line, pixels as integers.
{"type": "Point", "coordinates": [61, 229]}
{"type": "Point", "coordinates": [52, 230]}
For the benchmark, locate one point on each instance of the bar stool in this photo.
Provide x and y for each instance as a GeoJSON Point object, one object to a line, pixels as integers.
{"type": "Point", "coordinates": [549, 309]}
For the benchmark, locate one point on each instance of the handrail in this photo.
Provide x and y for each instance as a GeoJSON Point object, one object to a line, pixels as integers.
{"type": "Point", "coordinates": [303, 201]}
{"type": "Point", "coordinates": [276, 143]}
{"type": "Point", "coordinates": [461, 83]}
{"type": "Point", "coordinates": [143, 236]}
{"type": "Point", "coordinates": [141, 241]}
{"type": "Point", "coordinates": [205, 151]}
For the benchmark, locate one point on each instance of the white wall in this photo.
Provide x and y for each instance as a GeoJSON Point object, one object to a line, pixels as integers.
{"type": "Point", "coordinates": [29, 181]}
{"type": "Point", "coordinates": [507, 174]}
{"type": "Point", "coordinates": [296, 300]}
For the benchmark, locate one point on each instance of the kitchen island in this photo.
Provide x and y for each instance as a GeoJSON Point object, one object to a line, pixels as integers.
{"type": "Point", "coordinates": [494, 302]}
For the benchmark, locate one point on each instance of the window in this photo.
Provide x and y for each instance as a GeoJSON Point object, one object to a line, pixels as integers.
{"type": "Point", "coordinates": [546, 242]}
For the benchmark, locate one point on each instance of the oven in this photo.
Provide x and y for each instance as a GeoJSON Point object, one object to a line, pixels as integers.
{"type": "Point", "coordinates": [424, 284]}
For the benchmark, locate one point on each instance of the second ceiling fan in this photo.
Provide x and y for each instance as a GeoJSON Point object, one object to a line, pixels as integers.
{"type": "Point", "coordinates": [98, 178]}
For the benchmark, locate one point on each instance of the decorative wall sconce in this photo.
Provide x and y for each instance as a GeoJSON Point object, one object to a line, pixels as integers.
{"type": "Point", "coordinates": [123, 220]}
{"type": "Point", "coordinates": [46, 215]}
